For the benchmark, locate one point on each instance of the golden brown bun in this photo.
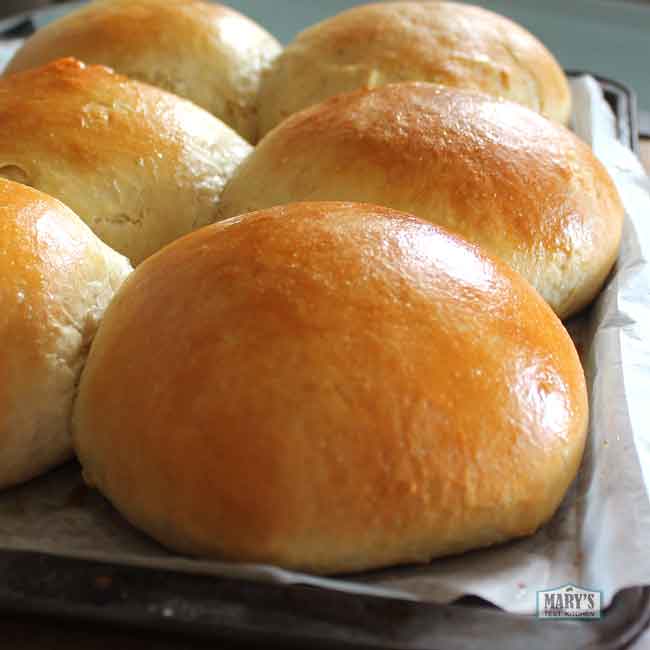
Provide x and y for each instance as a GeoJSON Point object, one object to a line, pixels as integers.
{"type": "Point", "coordinates": [330, 387]}
{"type": "Point", "coordinates": [526, 189]}
{"type": "Point", "coordinates": [204, 52]}
{"type": "Point", "coordinates": [140, 166]}
{"type": "Point", "coordinates": [56, 279]}
{"type": "Point", "coordinates": [441, 42]}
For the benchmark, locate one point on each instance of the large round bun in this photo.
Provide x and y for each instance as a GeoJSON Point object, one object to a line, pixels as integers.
{"type": "Point", "coordinates": [56, 279]}
{"type": "Point", "coordinates": [330, 387]}
{"type": "Point", "coordinates": [140, 166]}
{"type": "Point", "coordinates": [441, 42]}
{"type": "Point", "coordinates": [202, 51]}
{"type": "Point", "coordinates": [526, 189]}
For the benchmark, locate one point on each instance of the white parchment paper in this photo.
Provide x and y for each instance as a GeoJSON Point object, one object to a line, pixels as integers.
{"type": "Point", "coordinates": [599, 539]}
{"type": "Point", "coordinates": [7, 50]}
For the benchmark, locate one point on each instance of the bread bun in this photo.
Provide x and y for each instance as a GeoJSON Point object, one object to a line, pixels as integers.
{"type": "Point", "coordinates": [56, 279]}
{"type": "Point", "coordinates": [441, 42]}
{"type": "Point", "coordinates": [140, 166]}
{"type": "Point", "coordinates": [526, 189]}
{"type": "Point", "coordinates": [330, 387]}
{"type": "Point", "coordinates": [202, 51]}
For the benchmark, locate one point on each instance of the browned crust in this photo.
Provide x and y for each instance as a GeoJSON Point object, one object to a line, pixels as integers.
{"type": "Point", "coordinates": [139, 165]}
{"type": "Point", "coordinates": [440, 42]}
{"type": "Point", "coordinates": [56, 279]}
{"type": "Point", "coordinates": [203, 51]}
{"type": "Point", "coordinates": [495, 172]}
{"type": "Point", "coordinates": [330, 387]}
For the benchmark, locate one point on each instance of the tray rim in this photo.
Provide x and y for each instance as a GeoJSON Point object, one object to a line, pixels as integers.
{"type": "Point", "coordinates": [103, 593]}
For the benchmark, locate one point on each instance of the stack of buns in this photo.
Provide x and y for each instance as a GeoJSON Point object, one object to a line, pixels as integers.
{"type": "Point", "coordinates": [361, 363]}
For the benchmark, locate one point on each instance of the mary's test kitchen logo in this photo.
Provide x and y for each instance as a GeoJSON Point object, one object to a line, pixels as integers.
{"type": "Point", "coordinates": [569, 601]}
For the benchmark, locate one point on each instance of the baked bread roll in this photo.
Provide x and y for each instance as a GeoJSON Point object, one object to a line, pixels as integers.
{"type": "Point", "coordinates": [140, 166]}
{"type": "Point", "coordinates": [56, 279]}
{"type": "Point", "coordinates": [202, 51]}
{"type": "Point", "coordinates": [440, 42]}
{"type": "Point", "coordinates": [526, 189]}
{"type": "Point", "coordinates": [330, 387]}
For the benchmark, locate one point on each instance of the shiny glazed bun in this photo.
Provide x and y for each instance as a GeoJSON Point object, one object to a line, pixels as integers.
{"type": "Point", "coordinates": [140, 166]}
{"type": "Point", "coordinates": [202, 51]}
{"type": "Point", "coordinates": [330, 387]}
{"type": "Point", "coordinates": [526, 189]}
{"type": "Point", "coordinates": [56, 279]}
{"type": "Point", "coordinates": [440, 42]}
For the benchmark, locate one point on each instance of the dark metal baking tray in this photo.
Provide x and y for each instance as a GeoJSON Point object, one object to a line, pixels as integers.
{"type": "Point", "coordinates": [211, 608]}
{"type": "Point", "coordinates": [300, 616]}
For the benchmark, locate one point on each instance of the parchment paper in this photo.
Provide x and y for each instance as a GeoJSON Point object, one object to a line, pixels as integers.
{"type": "Point", "coordinates": [599, 539]}
{"type": "Point", "coordinates": [7, 49]}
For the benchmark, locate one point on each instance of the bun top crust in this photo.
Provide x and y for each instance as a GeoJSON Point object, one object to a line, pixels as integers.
{"type": "Point", "coordinates": [205, 52]}
{"type": "Point", "coordinates": [140, 166]}
{"type": "Point", "coordinates": [439, 42]}
{"type": "Point", "coordinates": [330, 387]}
{"type": "Point", "coordinates": [502, 176]}
{"type": "Point", "coordinates": [56, 279]}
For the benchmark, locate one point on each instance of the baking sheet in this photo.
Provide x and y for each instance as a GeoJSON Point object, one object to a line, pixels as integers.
{"type": "Point", "coordinates": [600, 537]}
